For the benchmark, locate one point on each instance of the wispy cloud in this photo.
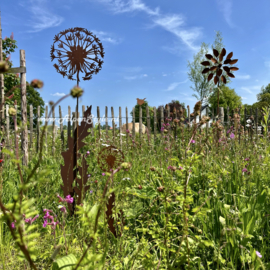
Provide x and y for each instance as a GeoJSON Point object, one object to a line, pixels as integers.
{"type": "Point", "coordinates": [226, 9]}
{"type": "Point", "coordinates": [173, 23]}
{"type": "Point", "coordinates": [248, 89]}
{"type": "Point", "coordinates": [107, 37]}
{"type": "Point", "coordinates": [135, 77]}
{"type": "Point", "coordinates": [242, 77]}
{"type": "Point", "coordinates": [243, 97]}
{"type": "Point", "coordinates": [58, 94]}
{"type": "Point", "coordinates": [172, 86]}
{"type": "Point", "coordinates": [42, 18]}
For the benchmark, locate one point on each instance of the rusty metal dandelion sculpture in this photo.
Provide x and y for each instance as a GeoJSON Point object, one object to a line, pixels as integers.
{"type": "Point", "coordinates": [110, 158]}
{"type": "Point", "coordinates": [217, 66]}
{"type": "Point", "coordinates": [78, 53]}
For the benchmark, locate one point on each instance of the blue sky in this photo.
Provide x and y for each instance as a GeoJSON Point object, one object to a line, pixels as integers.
{"type": "Point", "coordinates": [147, 46]}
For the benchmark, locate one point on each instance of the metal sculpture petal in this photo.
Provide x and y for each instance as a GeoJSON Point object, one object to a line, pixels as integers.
{"type": "Point", "coordinates": [78, 50]}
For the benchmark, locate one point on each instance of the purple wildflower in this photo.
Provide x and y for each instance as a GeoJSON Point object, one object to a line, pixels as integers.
{"type": "Point", "coordinates": [91, 191]}
{"type": "Point", "coordinates": [45, 223]}
{"type": "Point", "coordinates": [193, 141]}
{"type": "Point", "coordinates": [103, 174]}
{"type": "Point", "coordinates": [127, 131]}
{"type": "Point", "coordinates": [232, 136]}
{"type": "Point", "coordinates": [63, 209]}
{"type": "Point", "coordinates": [258, 254]}
{"type": "Point", "coordinates": [30, 220]}
{"type": "Point", "coordinates": [88, 153]}
{"type": "Point", "coordinates": [13, 225]}
{"type": "Point", "coordinates": [166, 149]}
{"type": "Point", "coordinates": [244, 170]}
{"type": "Point", "coordinates": [246, 159]}
{"type": "Point", "coordinates": [89, 175]}
{"type": "Point", "coordinates": [69, 199]}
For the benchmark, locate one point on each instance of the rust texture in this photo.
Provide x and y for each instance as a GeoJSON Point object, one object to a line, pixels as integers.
{"type": "Point", "coordinates": [110, 158]}
{"type": "Point", "coordinates": [69, 172]}
{"type": "Point", "coordinates": [78, 53]}
{"type": "Point", "coordinates": [216, 67]}
{"type": "Point", "coordinates": [140, 101]}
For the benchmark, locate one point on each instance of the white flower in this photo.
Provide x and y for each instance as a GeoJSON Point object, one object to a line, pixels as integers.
{"type": "Point", "coordinates": [60, 206]}
{"type": "Point", "coordinates": [123, 134]}
{"type": "Point", "coordinates": [105, 145]}
{"type": "Point", "coordinates": [126, 178]}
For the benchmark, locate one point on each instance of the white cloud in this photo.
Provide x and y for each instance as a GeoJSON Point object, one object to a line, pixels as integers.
{"type": "Point", "coordinates": [172, 23]}
{"type": "Point", "coordinates": [226, 9]}
{"type": "Point", "coordinates": [107, 37]}
{"type": "Point", "coordinates": [135, 77]}
{"type": "Point", "coordinates": [242, 77]}
{"type": "Point", "coordinates": [243, 97]}
{"type": "Point", "coordinates": [42, 17]}
{"type": "Point", "coordinates": [248, 89]}
{"type": "Point", "coordinates": [164, 75]}
{"type": "Point", "coordinates": [256, 80]}
{"type": "Point", "coordinates": [58, 94]}
{"type": "Point", "coordinates": [172, 86]}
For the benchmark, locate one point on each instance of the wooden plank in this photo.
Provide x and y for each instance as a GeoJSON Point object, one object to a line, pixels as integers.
{"type": "Point", "coordinates": [16, 70]}
{"type": "Point", "coordinates": [24, 111]}
{"type": "Point", "coordinates": [73, 123]}
{"type": "Point", "coordinates": [38, 129]}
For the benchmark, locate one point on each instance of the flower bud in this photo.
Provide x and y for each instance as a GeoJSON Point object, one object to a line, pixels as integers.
{"type": "Point", "coordinates": [126, 165]}
{"type": "Point", "coordinates": [37, 84]}
{"type": "Point", "coordinates": [12, 111]}
{"type": "Point", "coordinates": [160, 189]}
{"type": "Point", "coordinates": [76, 92]}
{"type": "Point", "coordinates": [139, 187]}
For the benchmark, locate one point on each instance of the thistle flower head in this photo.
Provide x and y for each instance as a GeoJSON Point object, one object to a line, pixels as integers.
{"type": "Point", "coordinates": [76, 91]}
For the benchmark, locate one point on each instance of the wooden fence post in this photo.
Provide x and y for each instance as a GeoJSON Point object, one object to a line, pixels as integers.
{"type": "Point", "coordinates": [148, 120]}
{"type": "Point", "coordinates": [155, 124]}
{"type": "Point", "coordinates": [31, 129]}
{"type": "Point", "coordinates": [24, 111]}
{"type": "Point", "coordinates": [113, 125]}
{"type": "Point", "coordinates": [15, 133]}
{"type": "Point", "coordinates": [7, 127]}
{"type": "Point", "coordinates": [38, 128]}
{"type": "Point", "coordinates": [245, 118]}
{"type": "Point", "coordinates": [106, 120]}
{"type": "Point", "coordinates": [127, 125]}
{"type": "Point", "coordinates": [133, 123]}
{"type": "Point", "coordinates": [140, 123]}
{"type": "Point", "coordinates": [61, 127]}
{"type": "Point", "coordinates": [98, 116]}
{"type": "Point", "coordinates": [162, 118]}
{"type": "Point", "coordinates": [221, 115]}
{"type": "Point", "coordinates": [53, 131]}
{"type": "Point", "coordinates": [73, 123]}
{"type": "Point", "coordinates": [120, 126]}
{"type": "Point", "coordinates": [46, 120]}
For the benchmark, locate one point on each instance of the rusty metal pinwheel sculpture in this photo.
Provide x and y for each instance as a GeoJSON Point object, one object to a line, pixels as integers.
{"type": "Point", "coordinates": [78, 53]}
{"type": "Point", "coordinates": [218, 67]}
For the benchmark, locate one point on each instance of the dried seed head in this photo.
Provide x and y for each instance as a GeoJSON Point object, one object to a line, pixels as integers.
{"type": "Point", "coordinates": [197, 107]}
{"type": "Point", "coordinates": [37, 84]}
{"type": "Point", "coordinates": [76, 92]}
{"type": "Point", "coordinates": [4, 66]}
{"type": "Point", "coordinates": [152, 168]}
{"type": "Point", "coordinates": [160, 189]}
{"type": "Point", "coordinates": [12, 111]}
{"type": "Point", "coordinates": [51, 103]}
{"type": "Point", "coordinates": [139, 187]}
{"type": "Point", "coordinates": [176, 120]}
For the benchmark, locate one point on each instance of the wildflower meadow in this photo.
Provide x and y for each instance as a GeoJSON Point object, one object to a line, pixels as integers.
{"type": "Point", "coordinates": [194, 197]}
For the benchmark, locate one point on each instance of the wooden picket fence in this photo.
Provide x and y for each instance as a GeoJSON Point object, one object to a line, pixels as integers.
{"type": "Point", "coordinates": [72, 118]}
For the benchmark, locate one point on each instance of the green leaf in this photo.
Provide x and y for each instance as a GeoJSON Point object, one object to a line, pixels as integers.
{"type": "Point", "coordinates": [65, 263]}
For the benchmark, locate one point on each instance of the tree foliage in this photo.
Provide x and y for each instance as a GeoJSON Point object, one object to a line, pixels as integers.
{"type": "Point", "coordinates": [10, 80]}
{"type": "Point", "coordinates": [227, 98]}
